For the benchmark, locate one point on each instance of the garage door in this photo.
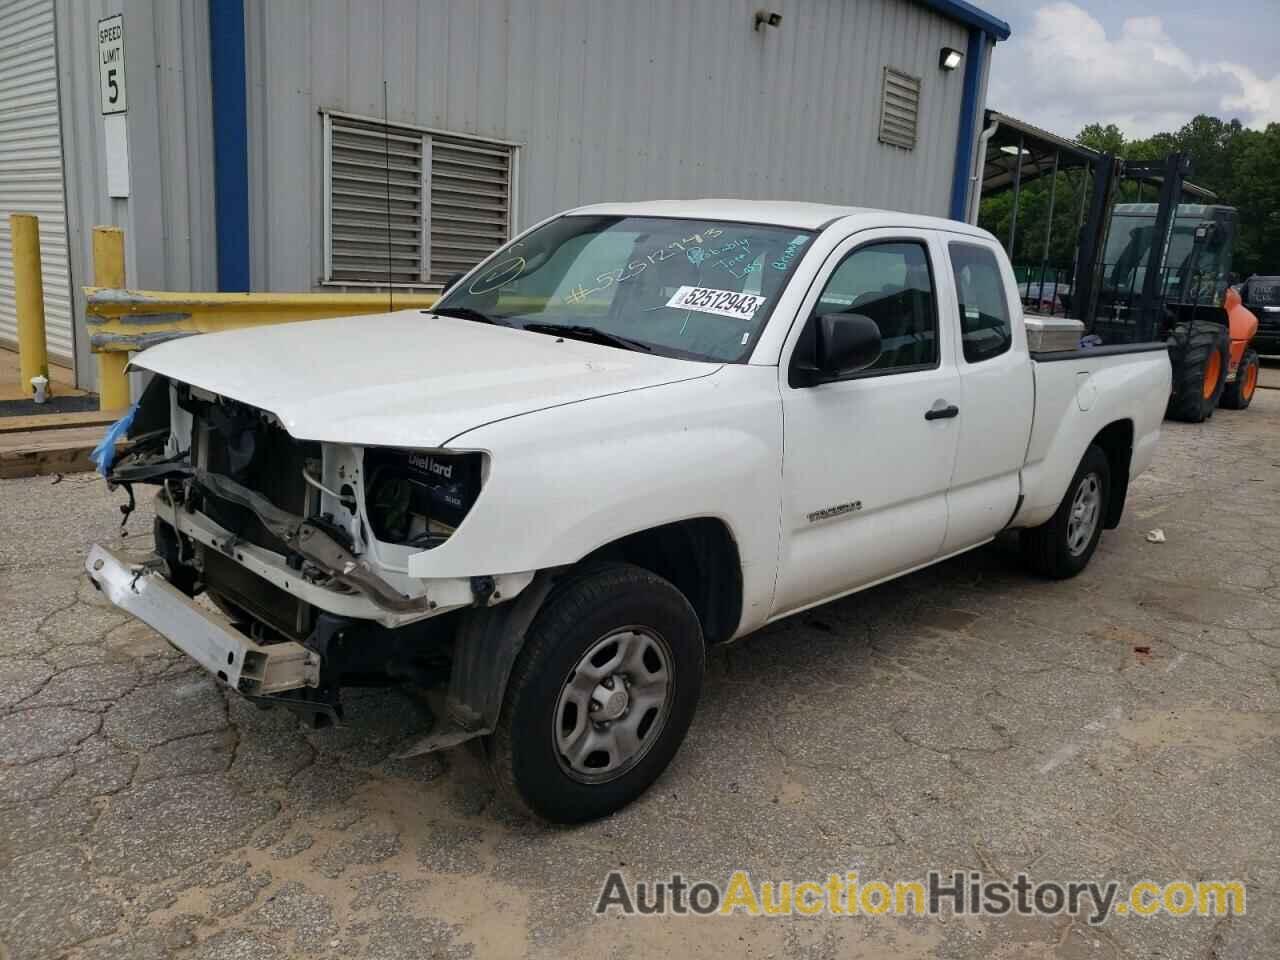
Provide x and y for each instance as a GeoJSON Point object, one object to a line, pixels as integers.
{"type": "Point", "coordinates": [31, 164]}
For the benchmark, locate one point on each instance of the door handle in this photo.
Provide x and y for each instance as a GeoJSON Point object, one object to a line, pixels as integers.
{"type": "Point", "coordinates": [942, 413]}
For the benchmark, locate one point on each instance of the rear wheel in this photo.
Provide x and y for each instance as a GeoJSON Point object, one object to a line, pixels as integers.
{"type": "Point", "coordinates": [601, 695]}
{"type": "Point", "coordinates": [1239, 392]}
{"type": "Point", "coordinates": [1199, 372]}
{"type": "Point", "coordinates": [1062, 546]}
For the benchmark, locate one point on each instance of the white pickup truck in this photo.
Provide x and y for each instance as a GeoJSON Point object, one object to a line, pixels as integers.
{"type": "Point", "coordinates": [636, 430]}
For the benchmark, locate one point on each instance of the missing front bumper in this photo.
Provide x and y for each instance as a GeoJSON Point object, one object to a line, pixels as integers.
{"type": "Point", "coordinates": [210, 639]}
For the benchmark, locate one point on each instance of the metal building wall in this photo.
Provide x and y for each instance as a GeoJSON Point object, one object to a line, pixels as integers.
{"type": "Point", "coordinates": [611, 99]}
{"type": "Point", "coordinates": [31, 165]}
{"type": "Point", "coordinates": [168, 218]}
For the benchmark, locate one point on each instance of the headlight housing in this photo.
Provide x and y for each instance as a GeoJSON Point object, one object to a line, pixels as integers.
{"type": "Point", "coordinates": [418, 498]}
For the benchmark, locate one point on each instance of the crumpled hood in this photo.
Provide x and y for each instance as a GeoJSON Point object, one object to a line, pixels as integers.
{"type": "Point", "coordinates": [405, 379]}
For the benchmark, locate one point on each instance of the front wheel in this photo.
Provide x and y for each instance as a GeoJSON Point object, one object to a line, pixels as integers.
{"type": "Point", "coordinates": [1199, 372]}
{"type": "Point", "coordinates": [600, 696]}
{"type": "Point", "coordinates": [1239, 392]}
{"type": "Point", "coordinates": [1062, 546]}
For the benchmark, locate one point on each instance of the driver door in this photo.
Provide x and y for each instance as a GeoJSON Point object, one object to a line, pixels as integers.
{"type": "Point", "coordinates": [865, 473]}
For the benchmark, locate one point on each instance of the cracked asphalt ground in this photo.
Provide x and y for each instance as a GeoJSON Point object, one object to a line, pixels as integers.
{"type": "Point", "coordinates": [1121, 725]}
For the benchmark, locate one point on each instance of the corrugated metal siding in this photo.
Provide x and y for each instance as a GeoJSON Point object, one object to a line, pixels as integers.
{"type": "Point", "coordinates": [168, 221]}
{"type": "Point", "coordinates": [610, 99]}
{"type": "Point", "coordinates": [31, 165]}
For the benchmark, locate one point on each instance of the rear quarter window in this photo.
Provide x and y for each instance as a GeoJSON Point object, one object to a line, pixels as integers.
{"type": "Point", "coordinates": [986, 329]}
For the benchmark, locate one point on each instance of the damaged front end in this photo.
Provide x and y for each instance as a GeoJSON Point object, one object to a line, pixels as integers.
{"type": "Point", "coordinates": [302, 547]}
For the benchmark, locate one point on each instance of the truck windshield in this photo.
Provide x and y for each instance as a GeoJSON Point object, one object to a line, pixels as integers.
{"type": "Point", "coordinates": [699, 289]}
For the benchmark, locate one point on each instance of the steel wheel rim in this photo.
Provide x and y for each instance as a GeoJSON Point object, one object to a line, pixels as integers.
{"type": "Point", "coordinates": [1083, 518]}
{"type": "Point", "coordinates": [613, 705]}
{"type": "Point", "coordinates": [1250, 380]}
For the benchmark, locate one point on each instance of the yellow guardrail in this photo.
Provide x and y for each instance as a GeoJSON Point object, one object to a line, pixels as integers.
{"type": "Point", "coordinates": [128, 320]}
{"type": "Point", "coordinates": [122, 321]}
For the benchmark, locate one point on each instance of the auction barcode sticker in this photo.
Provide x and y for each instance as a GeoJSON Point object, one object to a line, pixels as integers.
{"type": "Point", "coordinates": [723, 303]}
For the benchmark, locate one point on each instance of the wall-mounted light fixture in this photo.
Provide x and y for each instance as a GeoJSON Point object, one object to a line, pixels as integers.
{"type": "Point", "coordinates": [949, 59]}
{"type": "Point", "coordinates": [768, 18]}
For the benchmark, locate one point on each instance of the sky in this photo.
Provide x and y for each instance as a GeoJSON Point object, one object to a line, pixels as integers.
{"type": "Point", "coordinates": [1144, 65]}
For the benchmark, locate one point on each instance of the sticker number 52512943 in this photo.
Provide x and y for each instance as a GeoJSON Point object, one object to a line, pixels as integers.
{"type": "Point", "coordinates": [724, 303]}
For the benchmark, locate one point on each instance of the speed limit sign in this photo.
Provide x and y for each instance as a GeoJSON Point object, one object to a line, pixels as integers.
{"type": "Point", "coordinates": [111, 64]}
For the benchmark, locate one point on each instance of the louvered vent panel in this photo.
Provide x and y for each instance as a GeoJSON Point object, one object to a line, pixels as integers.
{"type": "Point", "coordinates": [377, 203]}
{"type": "Point", "coordinates": [899, 109]}
{"type": "Point", "coordinates": [470, 203]}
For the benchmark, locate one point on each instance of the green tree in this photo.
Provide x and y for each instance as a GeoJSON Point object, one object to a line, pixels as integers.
{"type": "Point", "coordinates": [1108, 139]}
{"type": "Point", "coordinates": [1209, 142]}
{"type": "Point", "coordinates": [1256, 192]}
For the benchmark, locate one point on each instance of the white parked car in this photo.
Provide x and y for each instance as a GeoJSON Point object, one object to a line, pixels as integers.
{"type": "Point", "coordinates": [636, 430]}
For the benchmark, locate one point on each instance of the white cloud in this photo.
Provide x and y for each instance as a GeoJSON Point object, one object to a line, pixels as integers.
{"type": "Point", "coordinates": [1260, 98]}
{"type": "Point", "coordinates": [1065, 72]}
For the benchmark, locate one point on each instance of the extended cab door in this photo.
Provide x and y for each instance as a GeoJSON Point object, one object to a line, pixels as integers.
{"type": "Point", "coordinates": [867, 459]}
{"type": "Point", "coordinates": [996, 386]}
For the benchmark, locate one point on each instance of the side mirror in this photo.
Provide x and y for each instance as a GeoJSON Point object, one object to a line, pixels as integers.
{"type": "Point", "coordinates": [832, 346]}
{"type": "Point", "coordinates": [449, 284]}
{"type": "Point", "coordinates": [847, 343]}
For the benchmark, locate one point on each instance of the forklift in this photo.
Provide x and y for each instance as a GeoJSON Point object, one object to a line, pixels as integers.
{"type": "Point", "coordinates": [1141, 272]}
{"type": "Point", "coordinates": [1162, 272]}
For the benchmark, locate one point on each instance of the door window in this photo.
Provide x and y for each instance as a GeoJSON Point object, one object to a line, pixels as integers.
{"type": "Point", "coordinates": [891, 284]}
{"type": "Point", "coordinates": [985, 328]}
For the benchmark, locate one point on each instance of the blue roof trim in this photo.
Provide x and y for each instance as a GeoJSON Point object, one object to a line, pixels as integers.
{"type": "Point", "coordinates": [970, 16]}
{"type": "Point", "coordinates": [970, 118]}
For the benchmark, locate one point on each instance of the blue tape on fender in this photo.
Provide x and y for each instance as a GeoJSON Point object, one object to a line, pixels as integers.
{"type": "Point", "coordinates": [104, 454]}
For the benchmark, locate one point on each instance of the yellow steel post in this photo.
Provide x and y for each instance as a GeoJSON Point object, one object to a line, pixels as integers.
{"type": "Point", "coordinates": [108, 271]}
{"type": "Point", "coordinates": [33, 352]}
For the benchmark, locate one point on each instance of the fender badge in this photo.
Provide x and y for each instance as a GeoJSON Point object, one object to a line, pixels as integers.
{"type": "Point", "coordinates": [826, 513]}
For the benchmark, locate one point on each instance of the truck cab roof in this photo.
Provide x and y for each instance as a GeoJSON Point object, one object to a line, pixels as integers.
{"type": "Point", "coordinates": [786, 213]}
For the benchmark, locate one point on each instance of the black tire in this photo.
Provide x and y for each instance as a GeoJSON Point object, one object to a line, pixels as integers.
{"type": "Point", "coordinates": [581, 611]}
{"type": "Point", "coordinates": [1047, 548]}
{"type": "Point", "coordinates": [1239, 392]}
{"type": "Point", "coordinates": [1189, 402]}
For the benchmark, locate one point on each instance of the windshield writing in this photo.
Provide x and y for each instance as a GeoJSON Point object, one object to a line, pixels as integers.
{"type": "Point", "coordinates": [699, 289]}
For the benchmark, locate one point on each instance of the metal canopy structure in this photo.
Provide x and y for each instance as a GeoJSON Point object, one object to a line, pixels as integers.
{"type": "Point", "coordinates": [1018, 152]}
{"type": "Point", "coordinates": [1013, 153]}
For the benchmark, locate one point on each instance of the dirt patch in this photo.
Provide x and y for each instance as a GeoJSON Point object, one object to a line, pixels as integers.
{"type": "Point", "coordinates": [1204, 730]}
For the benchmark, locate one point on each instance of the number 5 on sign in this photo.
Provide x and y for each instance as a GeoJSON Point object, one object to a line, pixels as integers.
{"type": "Point", "coordinates": [111, 64]}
